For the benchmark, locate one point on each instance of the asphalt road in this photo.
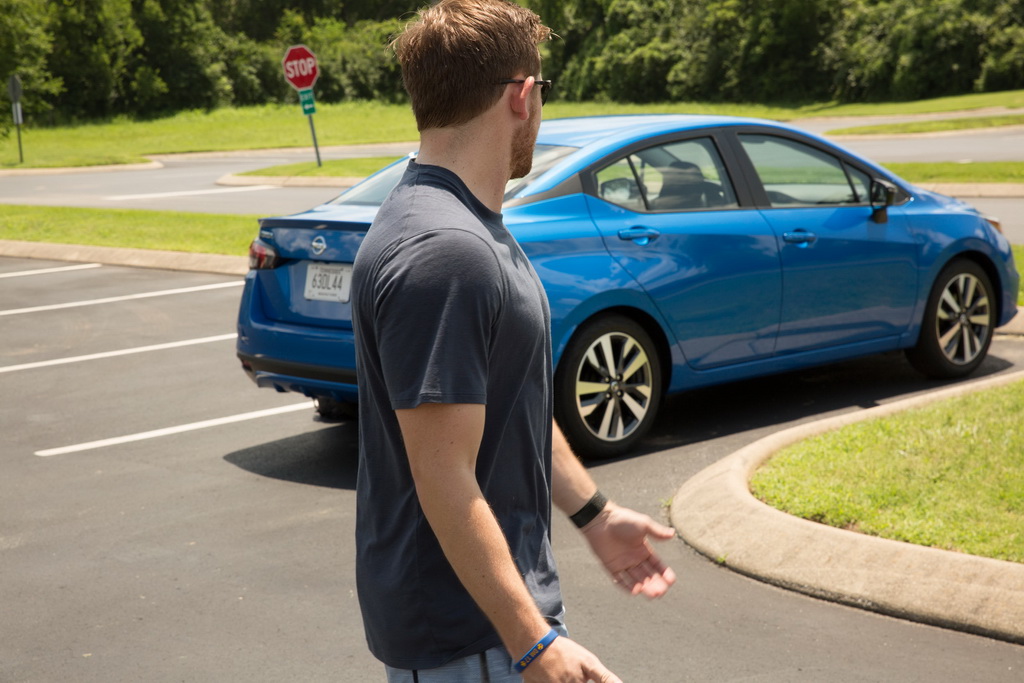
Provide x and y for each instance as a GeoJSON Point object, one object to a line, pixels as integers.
{"type": "Point", "coordinates": [153, 527]}
{"type": "Point", "coordinates": [185, 183]}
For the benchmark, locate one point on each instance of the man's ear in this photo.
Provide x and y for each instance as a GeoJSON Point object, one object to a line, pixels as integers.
{"type": "Point", "coordinates": [520, 101]}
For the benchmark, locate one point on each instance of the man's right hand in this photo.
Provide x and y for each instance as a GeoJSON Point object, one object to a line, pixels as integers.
{"type": "Point", "coordinates": [566, 661]}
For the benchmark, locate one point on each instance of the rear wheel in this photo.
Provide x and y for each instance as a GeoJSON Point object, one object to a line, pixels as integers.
{"type": "Point", "coordinates": [607, 387]}
{"type": "Point", "coordinates": [331, 410]}
{"type": "Point", "coordinates": [958, 322]}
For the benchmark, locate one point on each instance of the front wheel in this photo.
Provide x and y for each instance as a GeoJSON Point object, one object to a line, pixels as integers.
{"type": "Point", "coordinates": [958, 322]}
{"type": "Point", "coordinates": [607, 387]}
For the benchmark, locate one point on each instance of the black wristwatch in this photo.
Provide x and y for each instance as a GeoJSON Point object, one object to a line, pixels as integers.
{"type": "Point", "coordinates": [592, 509]}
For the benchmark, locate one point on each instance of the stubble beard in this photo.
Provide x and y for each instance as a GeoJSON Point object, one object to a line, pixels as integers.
{"type": "Point", "coordinates": [521, 162]}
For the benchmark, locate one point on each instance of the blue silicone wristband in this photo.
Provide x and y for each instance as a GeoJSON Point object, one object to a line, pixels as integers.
{"type": "Point", "coordinates": [535, 651]}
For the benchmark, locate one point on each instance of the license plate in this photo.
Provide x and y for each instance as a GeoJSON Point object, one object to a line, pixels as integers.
{"type": "Point", "coordinates": [328, 282]}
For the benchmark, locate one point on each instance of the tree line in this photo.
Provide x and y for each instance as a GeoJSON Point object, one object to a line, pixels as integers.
{"type": "Point", "coordinates": [92, 59]}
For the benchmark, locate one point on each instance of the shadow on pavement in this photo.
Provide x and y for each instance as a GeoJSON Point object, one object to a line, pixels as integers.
{"type": "Point", "coordinates": [324, 457]}
{"type": "Point", "coordinates": [723, 410]}
{"type": "Point", "coordinates": [329, 456]}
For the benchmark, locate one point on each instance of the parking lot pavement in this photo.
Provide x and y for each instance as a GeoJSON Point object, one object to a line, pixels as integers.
{"type": "Point", "coordinates": [163, 520]}
{"type": "Point", "coordinates": [147, 530]}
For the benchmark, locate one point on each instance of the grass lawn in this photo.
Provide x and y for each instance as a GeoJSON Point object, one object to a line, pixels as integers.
{"type": "Point", "coordinates": [935, 126]}
{"type": "Point", "coordinates": [1018, 258]}
{"type": "Point", "coordinates": [947, 475]}
{"type": "Point", "coordinates": [169, 230]}
{"type": "Point", "coordinates": [955, 172]}
{"type": "Point", "coordinates": [335, 168]}
{"type": "Point", "coordinates": [123, 141]}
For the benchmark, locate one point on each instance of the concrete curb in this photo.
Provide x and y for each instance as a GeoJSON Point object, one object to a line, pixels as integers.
{"type": "Point", "coordinates": [715, 513]}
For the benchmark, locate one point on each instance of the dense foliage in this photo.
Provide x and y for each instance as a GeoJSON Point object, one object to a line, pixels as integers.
{"type": "Point", "coordinates": [89, 59]}
{"type": "Point", "coordinates": [784, 51]}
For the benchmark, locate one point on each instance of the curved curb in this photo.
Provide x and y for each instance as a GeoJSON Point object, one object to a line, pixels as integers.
{"type": "Point", "coordinates": [715, 513]}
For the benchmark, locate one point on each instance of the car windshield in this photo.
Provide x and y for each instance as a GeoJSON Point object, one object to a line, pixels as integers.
{"type": "Point", "coordinates": [374, 189]}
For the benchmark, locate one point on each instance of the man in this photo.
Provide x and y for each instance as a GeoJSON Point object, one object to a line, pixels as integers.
{"type": "Point", "coordinates": [459, 457]}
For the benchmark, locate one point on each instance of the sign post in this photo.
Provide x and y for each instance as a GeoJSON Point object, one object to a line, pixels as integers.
{"type": "Point", "coordinates": [300, 70]}
{"type": "Point", "coordinates": [14, 90]}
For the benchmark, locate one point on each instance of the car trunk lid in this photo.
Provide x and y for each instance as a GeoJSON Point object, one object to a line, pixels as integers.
{"type": "Point", "coordinates": [311, 283]}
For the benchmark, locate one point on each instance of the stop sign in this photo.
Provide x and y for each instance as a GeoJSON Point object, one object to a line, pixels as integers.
{"type": "Point", "coordinates": [300, 67]}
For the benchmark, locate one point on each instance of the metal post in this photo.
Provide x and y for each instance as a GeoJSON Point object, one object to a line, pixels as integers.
{"type": "Point", "coordinates": [14, 90]}
{"type": "Point", "coordinates": [312, 129]}
{"type": "Point", "coordinates": [17, 124]}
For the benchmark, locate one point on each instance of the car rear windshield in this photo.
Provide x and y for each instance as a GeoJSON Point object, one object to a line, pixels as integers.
{"type": "Point", "coordinates": [373, 190]}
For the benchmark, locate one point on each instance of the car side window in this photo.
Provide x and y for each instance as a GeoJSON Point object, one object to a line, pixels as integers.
{"type": "Point", "coordinates": [861, 184]}
{"type": "Point", "coordinates": [796, 174]}
{"type": "Point", "coordinates": [679, 176]}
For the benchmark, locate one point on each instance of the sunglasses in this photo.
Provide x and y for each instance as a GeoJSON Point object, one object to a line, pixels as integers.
{"type": "Point", "coordinates": [545, 86]}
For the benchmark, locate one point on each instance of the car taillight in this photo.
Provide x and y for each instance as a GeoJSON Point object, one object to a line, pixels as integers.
{"type": "Point", "coordinates": [262, 256]}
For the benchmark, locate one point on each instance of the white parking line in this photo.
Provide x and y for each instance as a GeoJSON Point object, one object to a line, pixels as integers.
{"type": "Point", "coordinates": [113, 299]}
{"type": "Point", "coordinates": [112, 354]}
{"type": "Point", "coordinates": [255, 415]}
{"type": "Point", "coordinates": [46, 271]}
{"type": "Point", "coordinates": [191, 193]}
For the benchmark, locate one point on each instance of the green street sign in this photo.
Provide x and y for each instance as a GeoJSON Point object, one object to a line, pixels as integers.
{"type": "Point", "coordinates": [307, 101]}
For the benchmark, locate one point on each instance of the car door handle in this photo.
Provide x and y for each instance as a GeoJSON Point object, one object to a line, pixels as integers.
{"type": "Point", "coordinates": [801, 237]}
{"type": "Point", "coordinates": [642, 236]}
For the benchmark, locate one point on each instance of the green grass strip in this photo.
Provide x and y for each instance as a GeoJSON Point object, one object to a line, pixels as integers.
{"type": "Point", "coordinates": [1018, 259]}
{"type": "Point", "coordinates": [949, 476]}
{"type": "Point", "coordinates": [935, 126]}
{"type": "Point", "coordinates": [121, 140]}
{"type": "Point", "coordinates": [340, 168]}
{"type": "Point", "coordinates": [165, 230]}
{"type": "Point", "coordinates": [954, 172]}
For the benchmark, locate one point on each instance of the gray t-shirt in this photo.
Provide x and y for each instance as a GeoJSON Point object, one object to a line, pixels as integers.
{"type": "Point", "coordinates": [447, 309]}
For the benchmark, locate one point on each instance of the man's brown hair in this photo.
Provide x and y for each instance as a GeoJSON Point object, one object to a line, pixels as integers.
{"type": "Point", "coordinates": [456, 52]}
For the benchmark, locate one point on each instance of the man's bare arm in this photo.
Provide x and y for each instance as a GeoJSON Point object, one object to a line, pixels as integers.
{"type": "Point", "coordinates": [442, 442]}
{"type": "Point", "coordinates": [618, 536]}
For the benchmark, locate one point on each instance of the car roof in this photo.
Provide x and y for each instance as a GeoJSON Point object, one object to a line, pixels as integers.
{"type": "Point", "coordinates": [596, 136]}
{"type": "Point", "coordinates": [585, 130]}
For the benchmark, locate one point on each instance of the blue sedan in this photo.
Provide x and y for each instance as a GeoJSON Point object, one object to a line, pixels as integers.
{"type": "Point", "coordinates": [676, 252]}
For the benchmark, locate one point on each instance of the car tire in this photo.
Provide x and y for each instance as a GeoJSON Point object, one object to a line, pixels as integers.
{"type": "Point", "coordinates": [331, 410]}
{"type": "Point", "coordinates": [958, 322]}
{"type": "Point", "coordinates": [607, 387]}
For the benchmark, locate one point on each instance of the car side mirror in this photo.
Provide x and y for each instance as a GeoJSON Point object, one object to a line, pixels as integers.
{"type": "Point", "coordinates": [618, 190]}
{"type": "Point", "coordinates": [883, 195]}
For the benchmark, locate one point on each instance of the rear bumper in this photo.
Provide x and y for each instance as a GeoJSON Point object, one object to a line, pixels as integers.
{"type": "Point", "coordinates": [309, 380]}
{"type": "Point", "coordinates": [315, 362]}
